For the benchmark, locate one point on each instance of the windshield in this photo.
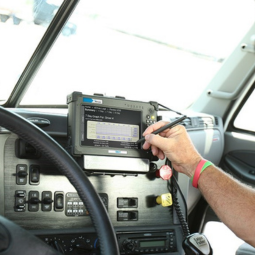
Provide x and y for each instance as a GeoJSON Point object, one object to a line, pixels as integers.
{"type": "Point", "coordinates": [165, 51]}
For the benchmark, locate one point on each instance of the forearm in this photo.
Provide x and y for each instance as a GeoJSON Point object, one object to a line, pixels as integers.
{"type": "Point", "coordinates": [233, 202]}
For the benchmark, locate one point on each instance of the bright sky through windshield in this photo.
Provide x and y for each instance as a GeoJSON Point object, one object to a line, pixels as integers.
{"type": "Point", "coordinates": [163, 51]}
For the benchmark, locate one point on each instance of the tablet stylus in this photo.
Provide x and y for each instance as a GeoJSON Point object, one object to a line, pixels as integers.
{"type": "Point", "coordinates": [170, 125]}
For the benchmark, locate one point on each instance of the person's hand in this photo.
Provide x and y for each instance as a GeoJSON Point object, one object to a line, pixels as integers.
{"type": "Point", "coordinates": [175, 144]}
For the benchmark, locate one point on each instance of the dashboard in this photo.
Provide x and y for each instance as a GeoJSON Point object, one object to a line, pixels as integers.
{"type": "Point", "coordinates": [36, 196]}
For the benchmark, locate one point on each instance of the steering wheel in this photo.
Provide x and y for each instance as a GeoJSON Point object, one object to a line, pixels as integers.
{"type": "Point", "coordinates": [15, 240]}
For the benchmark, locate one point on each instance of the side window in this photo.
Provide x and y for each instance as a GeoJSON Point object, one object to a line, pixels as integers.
{"type": "Point", "coordinates": [246, 117]}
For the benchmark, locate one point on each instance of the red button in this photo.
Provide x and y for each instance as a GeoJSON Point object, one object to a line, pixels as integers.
{"type": "Point", "coordinates": [165, 172]}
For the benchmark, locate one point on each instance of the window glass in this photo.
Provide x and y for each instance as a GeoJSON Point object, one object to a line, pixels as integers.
{"type": "Point", "coordinates": [165, 51]}
{"type": "Point", "coordinates": [22, 25]}
{"type": "Point", "coordinates": [245, 118]}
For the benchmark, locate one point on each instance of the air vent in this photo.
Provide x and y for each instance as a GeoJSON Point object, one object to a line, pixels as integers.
{"type": "Point", "coordinates": [199, 122]}
{"type": "Point", "coordinates": [206, 122]}
{"type": "Point", "coordinates": [187, 122]}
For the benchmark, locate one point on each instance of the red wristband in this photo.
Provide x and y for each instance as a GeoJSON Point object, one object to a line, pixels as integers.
{"type": "Point", "coordinates": [197, 173]}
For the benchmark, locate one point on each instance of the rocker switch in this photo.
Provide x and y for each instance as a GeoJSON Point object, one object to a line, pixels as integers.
{"type": "Point", "coordinates": [34, 175]}
{"type": "Point", "coordinates": [59, 201]}
{"type": "Point", "coordinates": [33, 201]}
{"type": "Point", "coordinates": [46, 201]}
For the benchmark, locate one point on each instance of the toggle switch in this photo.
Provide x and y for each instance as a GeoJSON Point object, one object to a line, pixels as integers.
{"type": "Point", "coordinates": [21, 174]}
{"type": "Point", "coordinates": [20, 200]}
{"type": "Point", "coordinates": [165, 200]}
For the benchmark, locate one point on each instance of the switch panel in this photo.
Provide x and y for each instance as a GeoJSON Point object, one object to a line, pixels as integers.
{"type": "Point", "coordinates": [73, 244]}
{"type": "Point", "coordinates": [75, 207]}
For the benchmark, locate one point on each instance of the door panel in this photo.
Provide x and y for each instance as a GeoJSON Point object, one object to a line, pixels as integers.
{"type": "Point", "coordinates": [241, 164]}
{"type": "Point", "coordinates": [239, 156]}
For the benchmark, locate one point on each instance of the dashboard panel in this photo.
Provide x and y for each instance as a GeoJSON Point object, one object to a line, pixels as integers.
{"type": "Point", "coordinates": [39, 198]}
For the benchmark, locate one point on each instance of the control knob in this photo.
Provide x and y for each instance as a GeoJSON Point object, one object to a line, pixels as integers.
{"type": "Point", "coordinates": [128, 245]}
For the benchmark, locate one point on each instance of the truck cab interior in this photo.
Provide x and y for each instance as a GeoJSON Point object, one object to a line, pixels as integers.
{"type": "Point", "coordinates": [80, 83]}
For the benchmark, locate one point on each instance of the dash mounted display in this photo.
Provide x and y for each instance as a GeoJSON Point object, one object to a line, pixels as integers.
{"type": "Point", "coordinates": [100, 128]}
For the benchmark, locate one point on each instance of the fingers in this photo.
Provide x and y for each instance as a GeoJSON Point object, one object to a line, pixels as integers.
{"type": "Point", "coordinates": [163, 144]}
{"type": "Point", "coordinates": [157, 152]}
{"type": "Point", "coordinates": [160, 144]}
{"type": "Point", "coordinates": [155, 141]}
{"type": "Point", "coordinates": [151, 129]}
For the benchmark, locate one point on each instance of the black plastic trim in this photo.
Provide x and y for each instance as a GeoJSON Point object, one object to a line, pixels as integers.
{"type": "Point", "coordinates": [241, 168]}
{"type": "Point", "coordinates": [41, 52]}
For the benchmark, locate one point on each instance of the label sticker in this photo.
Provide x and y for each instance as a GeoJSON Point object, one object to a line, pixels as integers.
{"type": "Point", "coordinates": [117, 152]}
{"type": "Point", "coordinates": [200, 240]}
{"type": "Point", "coordinates": [92, 100]}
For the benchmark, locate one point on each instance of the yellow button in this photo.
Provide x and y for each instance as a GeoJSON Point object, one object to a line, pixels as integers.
{"type": "Point", "coordinates": [165, 199]}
